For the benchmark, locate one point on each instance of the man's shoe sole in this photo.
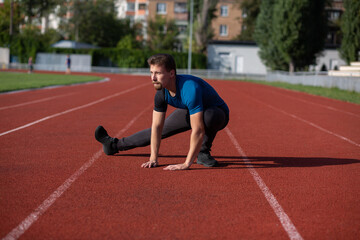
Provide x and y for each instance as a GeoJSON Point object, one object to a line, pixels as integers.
{"type": "Point", "coordinates": [214, 164]}
{"type": "Point", "coordinates": [101, 134]}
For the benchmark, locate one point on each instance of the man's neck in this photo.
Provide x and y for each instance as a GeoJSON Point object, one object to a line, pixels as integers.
{"type": "Point", "coordinates": [172, 87]}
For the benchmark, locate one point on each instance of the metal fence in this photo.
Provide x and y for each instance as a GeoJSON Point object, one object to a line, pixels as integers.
{"type": "Point", "coordinates": [320, 79]}
{"type": "Point", "coordinates": [205, 73]}
{"type": "Point", "coordinates": [316, 79]}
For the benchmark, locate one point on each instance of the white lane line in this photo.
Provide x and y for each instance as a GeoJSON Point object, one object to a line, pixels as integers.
{"type": "Point", "coordinates": [279, 211]}
{"type": "Point", "coordinates": [309, 123]}
{"type": "Point", "coordinates": [35, 101]}
{"type": "Point", "coordinates": [35, 215]}
{"type": "Point", "coordinates": [72, 110]}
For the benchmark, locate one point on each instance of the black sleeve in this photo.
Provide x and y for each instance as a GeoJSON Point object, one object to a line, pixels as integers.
{"type": "Point", "coordinates": [160, 105]}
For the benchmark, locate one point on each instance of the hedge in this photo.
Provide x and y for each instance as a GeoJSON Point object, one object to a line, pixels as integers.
{"type": "Point", "coordinates": [134, 58]}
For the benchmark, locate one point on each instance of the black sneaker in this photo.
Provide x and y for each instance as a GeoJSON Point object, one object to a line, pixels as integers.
{"type": "Point", "coordinates": [204, 158]}
{"type": "Point", "coordinates": [109, 143]}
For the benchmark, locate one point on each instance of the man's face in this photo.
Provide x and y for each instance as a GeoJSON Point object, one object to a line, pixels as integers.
{"type": "Point", "coordinates": [160, 77]}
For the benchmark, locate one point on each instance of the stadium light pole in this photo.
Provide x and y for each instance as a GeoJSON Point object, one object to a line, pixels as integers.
{"type": "Point", "coordinates": [190, 34]}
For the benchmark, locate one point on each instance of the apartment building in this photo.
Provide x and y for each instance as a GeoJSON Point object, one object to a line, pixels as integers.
{"type": "Point", "coordinates": [226, 26]}
{"type": "Point", "coordinates": [228, 23]}
{"type": "Point", "coordinates": [136, 11]}
{"type": "Point", "coordinates": [141, 11]}
{"type": "Point", "coordinates": [171, 9]}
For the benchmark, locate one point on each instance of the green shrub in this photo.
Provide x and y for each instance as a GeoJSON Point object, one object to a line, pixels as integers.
{"type": "Point", "coordinates": [135, 58]}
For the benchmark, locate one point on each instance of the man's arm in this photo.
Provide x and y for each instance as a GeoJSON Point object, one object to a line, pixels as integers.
{"type": "Point", "coordinates": [157, 125]}
{"type": "Point", "coordinates": [196, 139]}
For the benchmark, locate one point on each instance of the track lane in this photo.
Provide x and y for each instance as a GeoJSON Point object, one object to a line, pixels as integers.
{"type": "Point", "coordinates": [311, 109]}
{"type": "Point", "coordinates": [81, 95]}
{"type": "Point", "coordinates": [315, 177]}
{"type": "Point", "coordinates": [206, 209]}
{"type": "Point", "coordinates": [125, 201]}
{"type": "Point", "coordinates": [41, 156]}
{"type": "Point", "coordinates": [227, 196]}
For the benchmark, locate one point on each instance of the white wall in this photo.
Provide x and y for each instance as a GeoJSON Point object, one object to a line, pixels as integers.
{"type": "Point", "coordinates": [228, 57]}
{"type": "Point", "coordinates": [235, 58]}
{"type": "Point", "coordinates": [57, 62]}
{"type": "Point", "coordinates": [4, 56]}
{"type": "Point", "coordinates": [330, 58]}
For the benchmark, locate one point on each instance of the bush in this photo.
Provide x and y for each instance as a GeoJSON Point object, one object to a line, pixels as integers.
{"type": "Point", "coordinates": [135, 58]}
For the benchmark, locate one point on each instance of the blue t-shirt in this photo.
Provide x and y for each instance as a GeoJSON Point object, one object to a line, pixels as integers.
{"type": "Point", "coordinates": [192, 93]}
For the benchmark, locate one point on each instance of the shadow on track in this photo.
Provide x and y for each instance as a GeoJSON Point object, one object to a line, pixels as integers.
{"type": "Point", "coordinates": [234, 162]}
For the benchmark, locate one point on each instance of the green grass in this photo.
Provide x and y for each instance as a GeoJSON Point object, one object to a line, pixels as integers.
{"type": "Point", "coordinates": [18, 81]}
{"type": "Point", "coordinates": [334, 93]}
{"type": "Point", "coordinates": [10, 81]}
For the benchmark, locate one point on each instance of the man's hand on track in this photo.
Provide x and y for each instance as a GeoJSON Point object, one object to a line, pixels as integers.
{"type": "Point", "coordinates": [149, 164]}
{"type": "Point", "coordinates": [181, 166]}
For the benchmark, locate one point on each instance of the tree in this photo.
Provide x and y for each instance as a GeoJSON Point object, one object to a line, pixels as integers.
{"type": "Point", "coordinates": [264, 37]}
{"type": "Point", "coordinates": [204, 13]}
{"type": "Point", "coordinates": [350, 27]}
{"type": "Point", "coordinates": [129, 42]}
{"type": "Point", "coordinates": [295, 32]}
{"type": "Point", "coordinates": [300, 29]}
{"type": "Point", "coordinates": [250, 9]}
{"type": "Point", "coordinates": [29, 42]}
{"type": "Point", "coordinates": [94, 22]}
{"type": "Point", "coordinates": [162, 34]}
{"type": "Point", "coordinates": [5, 22]}
{"type": "Point", "coordinates": [38, 8]}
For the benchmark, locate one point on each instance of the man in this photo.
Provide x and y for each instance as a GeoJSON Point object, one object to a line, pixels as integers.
{"type": "Point", "coordinates": [199, 108]}
{"type": "Point", "coordinates": [68, 64]}
{"type": "Point", "coordinates": [30, 64]}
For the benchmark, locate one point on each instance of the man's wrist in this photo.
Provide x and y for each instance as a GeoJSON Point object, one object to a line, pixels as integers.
{"type": "Point", "coordinates": [187, 165]}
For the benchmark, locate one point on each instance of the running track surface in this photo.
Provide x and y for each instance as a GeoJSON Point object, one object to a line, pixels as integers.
{"type": "Point", "coordinates": [289, 167]}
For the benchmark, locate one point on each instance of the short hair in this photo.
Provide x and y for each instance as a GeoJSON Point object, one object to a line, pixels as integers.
{"type": "Point", "coordinates": [163, 59]}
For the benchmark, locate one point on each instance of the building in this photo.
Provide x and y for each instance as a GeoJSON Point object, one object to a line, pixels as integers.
{"type": "Point", "coordinates": [141, 11]}
{"type": "Point", "coordinates": [228, 23]}
{"type": "Point", "coordinates": [235, 57]}
{"type": "Point", "coordinates": [243, 58]}
{"type": "Point", "coordinates": [226, 26]}
{"type": "Point", "coordinates": [334, 12]}
{"type": "Point", "coordinates": [136, 11]}
{"type": "Point", "coordinates": [172, 10]}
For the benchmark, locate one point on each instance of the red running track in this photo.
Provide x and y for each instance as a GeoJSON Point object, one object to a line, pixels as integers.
{"type": "Point", "coordinates": [289, 167]}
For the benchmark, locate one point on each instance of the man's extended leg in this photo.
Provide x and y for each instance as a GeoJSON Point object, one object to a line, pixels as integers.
{"type": "Point", "coordinates": [177, 122]}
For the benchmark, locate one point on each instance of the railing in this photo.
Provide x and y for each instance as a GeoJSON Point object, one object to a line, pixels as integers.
{"type": "Point", "coordinates": [305, 78]}
{"type": "Point", "coordinates": [205, 73]}
{"type": "Point", "coordinates": [316, 79]}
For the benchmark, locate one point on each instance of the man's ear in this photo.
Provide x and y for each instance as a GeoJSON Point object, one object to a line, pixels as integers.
{"type": "Point", "coordinates": [172, 73]}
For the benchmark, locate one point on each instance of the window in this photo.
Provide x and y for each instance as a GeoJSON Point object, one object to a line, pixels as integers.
{"type": "Point", "coordinates": [224, 54]}
{"type": "Point", "coordinates": [161, 8]}
{"type": "Point", "coordinates": [244, 13]}
{"type": "Point", "coordinates": [130, 6]}
{"type": "Point", "coordinates": [142, 6]}
{"type": "Point", "coordinates": [224, 11]}
{"type": "Point", "coordinates": [223, 30]}
{"type": "Point", "coordinates": [180, 7]}
{"type": "Point", "coordinates": [334, 15]}
{"type": "Point", "coordinates": [182, 29]}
